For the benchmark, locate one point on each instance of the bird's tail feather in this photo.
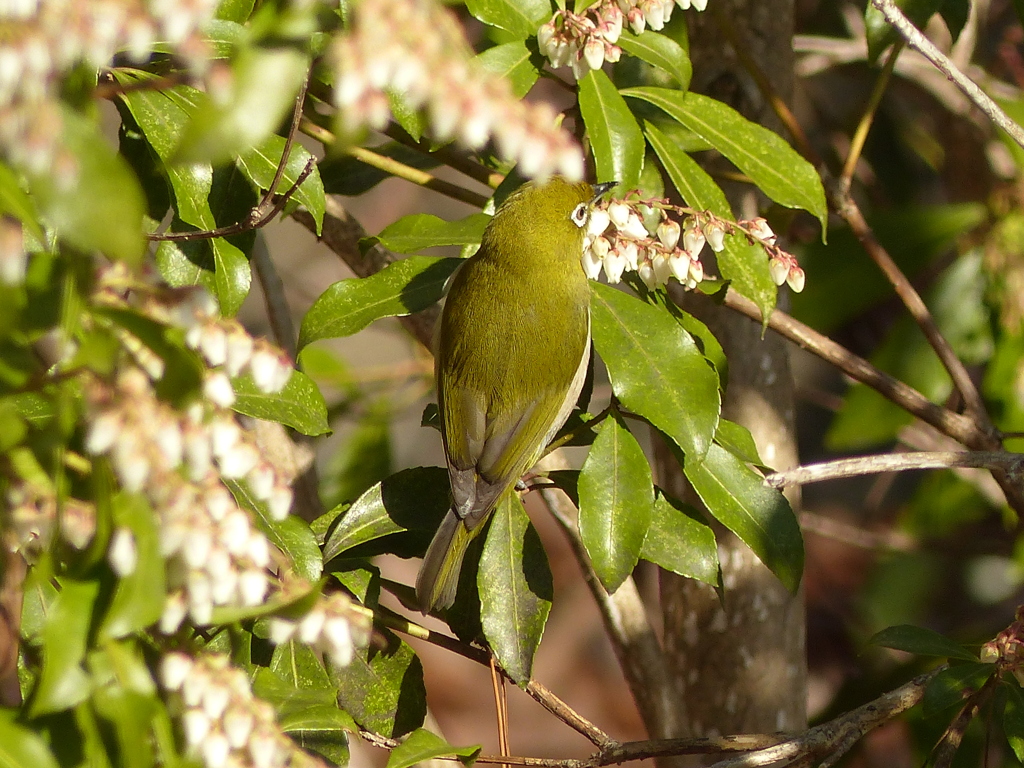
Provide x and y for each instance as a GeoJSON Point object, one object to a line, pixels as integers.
{"type": "Point", "coordinates": [439, 575]}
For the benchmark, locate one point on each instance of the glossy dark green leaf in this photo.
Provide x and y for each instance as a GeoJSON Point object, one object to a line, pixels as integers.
{"type": "Point", "coordinates": [1013, 720]}
{"type": "Point", "coordinates": [656, 369]}
{"type": "Point", "coordinates": [131, 715]}
{"type": "Point", "coordinates": [422, 745]}
{"type": "Point", "coordinates": [232, 276]}
{"type": "Point", "coordinates": [318, 718]}
{"type": "Point", "coordinates": [299, 405]}
{"type": "Point", "coordinates": [661, 51]}
{"type": "Point", "coordinates": [679, 540]}
{"type": "Point", "coordinates": [948, 689]}
{"type": "Point", "coordinates": [411, 499]}
{"type": "Point", "coordinates": [139, 597]}
{"type": "Point", "coordinates": [287, 697]}
{"type": "Point", "coordinates": [955, 13]}
{"type": "Point", "coordinates": [291, 535]}
{"type": "Point", "coordinates": [881, 35]}
{"type": "Point", "coordinates": [402, 288]}
{"type": "Point", "coordinates": [260, 164]}
{"type": "Point", "coordinates": [615, 137]}
{"type": "Point", "coordinates": [738, 498]}
{"type": "Point", "coordinates": [262, 91]}
{"type": "Point", "coordinates": [63, 682]}
{"type": "Point", "coordinates": [519, 17]}
{"type": "Point", "coordinates": [921, 641]}
{"type": "Point", "coordinates": [235, 10]}
{"type": "Point", "coordinates": [422, 230]}
{"type": "Point", "coordinates": [101, 206]}
{"type": "Point", "coordinates": [737, 439]}
{"type": "Point", "coordinates": [383, 688]}
{"type": "Point", "coordinates": [346, 175]}
{"type": "Point", "coordinates": [514, 582]}
{"type": "Point", "coordinates": [21, 747]}
{"type": "Point", "coordinates": [516, 63]}
{"type": "Point", "coordinates": [744, 265]}
{"type": "Point", "coordinates": [616, 502]}
{"type": "Point", "coordinates": [299, 666]}
{"type": "Point", "coordinates": [773, 165]}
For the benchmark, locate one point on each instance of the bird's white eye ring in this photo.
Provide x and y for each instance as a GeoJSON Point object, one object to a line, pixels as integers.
{"type": "Point", "coordinates": [579, 215]}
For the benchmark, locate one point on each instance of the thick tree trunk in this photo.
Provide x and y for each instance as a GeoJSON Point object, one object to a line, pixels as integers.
{"type": "Point", "coordinates": [741, 667]}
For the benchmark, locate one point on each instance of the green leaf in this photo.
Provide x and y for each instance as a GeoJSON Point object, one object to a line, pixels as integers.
{"type": "Point", "coordinates": [881, 35]}
{"type": "Point", "coordinates": [14, 201]}
{"type": "Point", "coordinates": [519, 17]}
{"type": "Point", "coordinates": [737, 497]}
{"type": "Point", "coordinates": [774, 166]}
{"type": "Point", "coordinates": [260, 166]}
{"type": "Point", "coordinates": [661, 51]}
{"type": "Point", "coordinates": [423, 745]}
{"type": "Point", "coordinates": [422, 230]}
{"type": "Point", "coordinates": [402, 288]}
{"type": "Point", "coordinates": [615, 137]}
{"type": "Point", "coordinates": [232, 276]}
{"type": "Point", "coordinates": [299, 405]}
{"type": "Point", "coordinates": [514, 582]}
{"type": "Point", "coordinates": [131, 715]}
{"type": "Point", "coordinates": [62, 682]}
{"type": "Point", "coordinates": [318, 718]}
{"type": "Point", "coordinates": [383, 688]}
{"type": "Point", "coordinates": [139, 597]}
{"type": "Point", "coordinates": [237, 11]}
{"type": "Point", "coordinates": [921, 641]}
{"type": "Point", "coordinates": [21, 747]}
{"type": "Point", "coordinates": [364, 459]}
{"type": "Point", "coordinates": [346, 175]}
{"type": "Point", "coordinates": [737, 439]}
{"type": "Point", "coordinates": [261, 93]}
{"type": "Point", "coordinates": [744, 265]}
{"type": "Point", "coordinates": [516, 63]}
{"type": "Point", "coordinates": [955, 13]}
{"type": "Point", "coordinates": [656, 369]}
{"type": "Point", "coordinates": [680, 541]}
{"type": "Point", "coordinates": [616, 502]}
{"type": "Point", "coordinates": [291, 535]}
{"type": "Point", "coordinates": [101, 206]}
{"type": "Point", "coordinates": [948, 688]}
{"type": "Point", "coordinates": [413, 499]}
{"type": "Point", "coordinates": [1013, 720]}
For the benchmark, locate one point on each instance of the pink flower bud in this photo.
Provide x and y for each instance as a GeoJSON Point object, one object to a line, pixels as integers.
{"type": "Point", "coordinates": [668, 233]}
{"type": "Point", "coordinates": [636, 20]}
{"type": "Point", "coordinates": [593, 52]}
{"type": "Point", "coordinates": [619, 214]}
{"type": "Point", "coordinates": [715, 233]}
{"type": "Point", "coordinates": [614, 265]}
{"type": "Point", "coordinates": [759, 228]}
{"type": "Point", "coordinates": [779, 271]}
{"type": "Point", "coordinates": [796, 279]}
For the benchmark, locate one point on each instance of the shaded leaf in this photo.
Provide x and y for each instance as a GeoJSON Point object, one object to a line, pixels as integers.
{"type": "Point", "coordinates": [737, 497]}
{"type": "Point", "coordinates": [1013, 720]}
{"type": "Point", "coordinates": [679, 540]}
{"type": "Point", "coordinates": [364, 459]}
{"type": "Point", "coordinates": [413, 499]}
{"type": "Point", "coordinates": [737, 439]}
{"type": "Point", "coordinates": [948, 688]}
{"type": "Point", "coordinates": [616, 502]}
{"type": "Point", "coordinates": [383, 688]}
{"type": "Point", "coordinates": [422, 230]}
{"type": "Point", "coordinates": [615, 137]}
{"type": "Point", "coordinates": [347, 175]}
{"type": "Point", "coordinates": [299, 405]}
{"type": "Point", "coordinates": [14, 201]}
{"type": "Point", "coordinates": [21, 747]}
{"type": "Point", "coordinates": [514, 583]}
{"type": "Point", "coordinates": [921, 641]}
{"type": "Point", "coordinates": [774, 166]}
{"type": "Point", "coordinates": [661, 51]}
{"type": "Point", "coordinates": [423, 745]}
{"type": "Point", "coordinates": [656, 369]}
{"type": "Point", "coordinates": [402, 288]}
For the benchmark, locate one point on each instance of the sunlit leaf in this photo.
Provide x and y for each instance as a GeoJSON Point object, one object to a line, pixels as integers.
{"type": "Point", "coordinates": [679, 540]}
{"type": "Point", "coordinates": [615, 137]}
{"type": "Point", "coordinates": [422, 230]}
{"type": "Point", "coordinates": [422, 745]}
{"type": "Point", "coordinates": [300, 405]}
{"type": "Point", "coordinates": [661, 51]}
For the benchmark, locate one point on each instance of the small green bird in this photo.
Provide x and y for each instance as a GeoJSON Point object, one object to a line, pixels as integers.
{"type": "Point", "coordinates": [510, 359]}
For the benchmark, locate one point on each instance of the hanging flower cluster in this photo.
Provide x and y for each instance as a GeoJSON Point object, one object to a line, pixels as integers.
{"type": "Point", "coordinates": [585, 41]}
{"type": "Point", "coordinates": [335, 626]}
{"type": "Point", "coordinates": [222, 722]}
{"type": "Point", "coordinates": [617, 240]}
{"type": "Point", "coordinates": [416, 49]}
{"type": "Point", "coordinates": [30, 520]}
{"type": "Point", "coordinates": [43, 39]}
{"type": "Point", "coordinates": [179, 459]}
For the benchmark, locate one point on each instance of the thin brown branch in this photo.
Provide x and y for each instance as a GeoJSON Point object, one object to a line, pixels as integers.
{"type": "Point", "coordinates": [500, 707]}
{"type": "Point", "coordinates": [855, 536]}
{"type": "Point", "coordinates": [460, 161]}
{"type": "Point", "coordinates": [970, 89]}
{"type": "Point", "coordinates": [895, 462]}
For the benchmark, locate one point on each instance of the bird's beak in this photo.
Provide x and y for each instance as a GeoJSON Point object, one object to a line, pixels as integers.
{"type": "Point", "coordinates": [600, 189]}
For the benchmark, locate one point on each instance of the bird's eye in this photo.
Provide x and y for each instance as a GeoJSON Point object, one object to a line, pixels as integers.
{"type": "Point", "coordinates": [579, 215]}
